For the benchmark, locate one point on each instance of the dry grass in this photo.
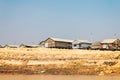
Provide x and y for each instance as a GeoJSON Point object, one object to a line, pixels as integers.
{"type": "Point", "coordinates": [54, 54]}
{"type": "Point", "coordinates": [59, 61]}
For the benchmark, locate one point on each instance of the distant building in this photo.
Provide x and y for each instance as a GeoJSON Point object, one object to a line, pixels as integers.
{"type": "Point", "coordinates": [58, 43]}
{"type": "Point", "coordinates": [96, 45]}
{"type": "Point", "coordinates": [42, 44]}
{"type": "Point", "coordinates": [11, 46]}
{"type": "Point", "coordinates": [28, 46]}
{"type": "Point", "coordinates": [111, 44]}
{"type": "Point", "coordinates": [81, 44]}
{"type": "Point", "coordinates": [1, 46]}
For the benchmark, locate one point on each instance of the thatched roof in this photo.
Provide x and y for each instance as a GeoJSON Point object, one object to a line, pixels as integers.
{"type": "Point", "coordinates": [61, 40]}
{"type": "Point", "coordinates": [109, 40]}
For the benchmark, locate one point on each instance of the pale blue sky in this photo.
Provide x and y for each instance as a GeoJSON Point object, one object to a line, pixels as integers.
{"type": "Point", "coordinates": [30, 21]}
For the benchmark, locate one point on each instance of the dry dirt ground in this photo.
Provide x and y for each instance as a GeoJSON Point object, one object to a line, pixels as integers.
{"type": "Point", "coordinates": [59, 61]}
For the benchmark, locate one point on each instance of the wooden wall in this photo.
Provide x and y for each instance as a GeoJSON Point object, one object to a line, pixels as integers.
{"type": "Point", "coordinates": [57, 44]}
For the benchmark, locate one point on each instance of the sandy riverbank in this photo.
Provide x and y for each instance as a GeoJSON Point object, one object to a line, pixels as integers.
{"type": "Point", "coordinates": [59, 61]}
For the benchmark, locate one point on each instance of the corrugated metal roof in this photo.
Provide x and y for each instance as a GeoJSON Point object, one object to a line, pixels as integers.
{"type": "Point", "coordinates": [11, 45]}
{"type": "Point", "coordinates": [62, 40]}
{"type": "Point", "coordinates": [96, 43]}
{"type": "Point", "coordinates": [109, 40]}
{"type": "Point", "coordinates": [81, 41]}
{"type": "Point", "coordinates": [29, 45]}
{"type": "Point", "coordinates": [1, 46]}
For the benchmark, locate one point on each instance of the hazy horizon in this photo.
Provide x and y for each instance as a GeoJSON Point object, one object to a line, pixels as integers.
{"type": "Point", "coordinates": [31, 21]}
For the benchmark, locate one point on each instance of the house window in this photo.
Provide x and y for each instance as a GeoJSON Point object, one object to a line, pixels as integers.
{"type": "Point", "coordinates": [69, 44]}
{"type": "Point", "coordinates": [75, 45]}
